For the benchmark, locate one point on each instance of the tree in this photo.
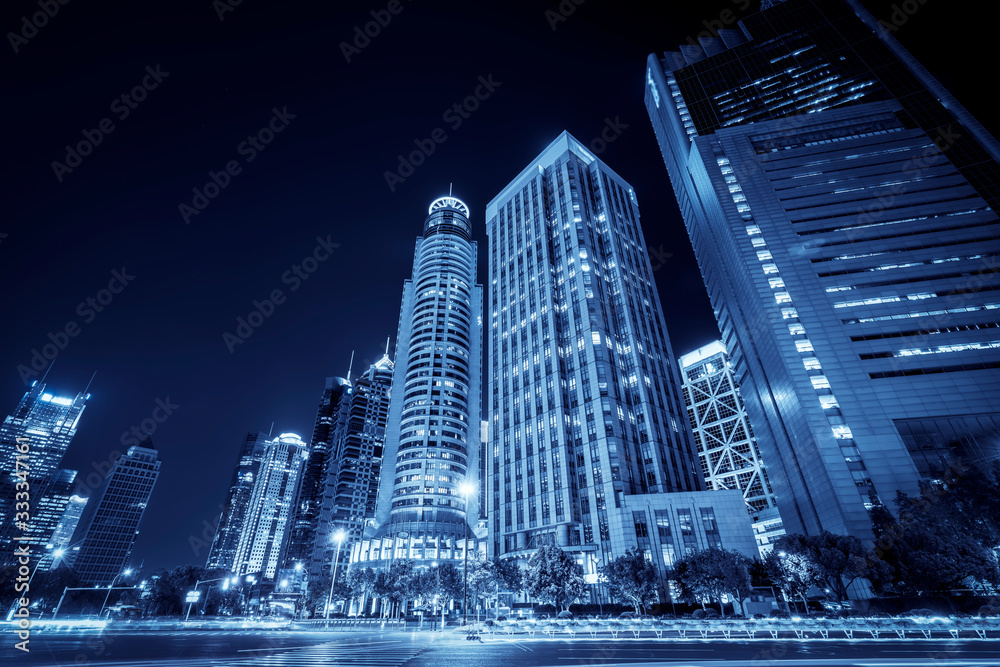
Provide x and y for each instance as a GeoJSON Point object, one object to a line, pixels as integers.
{"type": "Point", "coordinates": [553, 576]}
{"type": "Point", "coordinates": [47, 587]}
{"type": "Point", "coordinates": [360, 582]}
{"type": "Point", "coordinates": [490, 577]}
{"type": "Point", "coordinates": [631, 577]}
{"type": "Point", "coordinates": [834, 560]}
{"type": "Point", "coordinates": [711, 573]}
{"type": "Point", "coordinates": [790, 573]}
{"type": "Point", "coordinates": [938, 543]}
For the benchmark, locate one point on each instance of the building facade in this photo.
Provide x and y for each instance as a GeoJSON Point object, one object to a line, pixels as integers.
{"type": "Point", "coordinates": [358, 456]}
{"type": "Point", "coordinates": [233, 517]}
{"type": "Point", "coordinates": [841, 204]}
{"type": "Point", "coordinates": [102, 543]}
{"type": "Point", "coordinates": [46, 423]}
{"type": "Point", "coordinates": [432, 443]}
{"type": "Point", "coordinates": [311, 526]}
{"type": "Point", "coordinates": [271, 508]}
{"type": "Point", "coordinates": [61, 541]}
{"type": "Point", "coordinates": [585, 410]}
{"type": "Point", "coordinates": [730, 458]}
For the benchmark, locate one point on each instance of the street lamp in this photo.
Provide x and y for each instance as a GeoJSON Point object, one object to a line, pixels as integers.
{"type": "Point", "coordinates": [467, 489]}
{"type": "Point", "coordinates": [338, 537]}
{"type": "Point", "coordinates": [193, 594]}
{"type": "Point", "coordinates": [105, 604]}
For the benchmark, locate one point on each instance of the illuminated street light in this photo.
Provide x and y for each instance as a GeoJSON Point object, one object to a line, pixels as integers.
{"type": "Point", "coordinates": [105, 604]}
{"type": "Point", "coordinates": [338, 537]}
{"type": "Point", "coordinates": [467, 490]}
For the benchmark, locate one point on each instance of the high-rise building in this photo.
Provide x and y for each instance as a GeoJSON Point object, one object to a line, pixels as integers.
{"type": "Point", "coordinates": [62, 536]}
{"type": "Point", "coordinates": [271, 508]}
{"type": "Point", "coordinates": [432, 437]}
{"type": "Point", "coordinates": [47, 511]}
{"type": "Point", "coordinates": [354, 477]}
{"type": "Point", "coordinates": [102, 543]}
{"type": "Point", "coordinates": [589, 447]}
{"type": "Point", "coordinates": [46, 423]}
{"type": "Point", "coordinates": [227, 535]}
{"type": "Point", "coordinates": [311, 523]}
{"type": "Point", "coordinates": [842, 207]}
{"type": "Point", "coordinates": [728, 451]}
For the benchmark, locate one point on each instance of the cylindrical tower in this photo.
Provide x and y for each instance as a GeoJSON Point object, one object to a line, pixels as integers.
{"type": "Point", "coordinates": [426, 509]}
{"type": "Point", "coordinates": [433, 456]}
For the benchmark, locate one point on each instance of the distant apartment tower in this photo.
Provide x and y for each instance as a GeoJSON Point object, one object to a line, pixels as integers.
{"type": "Point", "coordinates": [728, 451]}
{"type": "Point", "coordinates": [310, 526]}
{"type": "Point", "coordinates": [102, 543]}
{"type": "Point", "coordinates": [227, 535]}
{"type": "Point", "coordinates": [589, 450]}
{"type": "Point", "coordinates": [271, 508]}
{"type": "Point", "coordinates": [842, 207]}
{"type": "Point", "coordinates": [432, 440]}
{"type": "Point", "coordinates": [46, 423]}
{"type": "Point", "coordinates": [357, 464]}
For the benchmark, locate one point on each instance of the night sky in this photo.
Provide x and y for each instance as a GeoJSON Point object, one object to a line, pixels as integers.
{"type": "Point", "coordinates": [210, 84]}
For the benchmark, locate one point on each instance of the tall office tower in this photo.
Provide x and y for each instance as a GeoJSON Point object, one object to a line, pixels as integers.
{"type": "Point", "coordinates": [432, 439]}
{"type": "Point", "coordinates": [586, 417]}
{"type": "Point", "coordinates": [356, 465]}
{"type": "Point", "coordinates": [46, 513]}
{"type": "Point", "coordinates": [61, 541]}
{"type": "Point", "coordinates": [842, 207]}
{"type": "Point", "coordinates": [46, 423]}
{"type": "Point", "coordinates": [227, 535]}
{"type": "Point", "coordinates": [311, 528]}
{"type": "Point", "coordinates": [104, 537]}
{"type": "Point", "coordinates": [728, 451]}
{"type": "Point", "coordinates": [271, 509]}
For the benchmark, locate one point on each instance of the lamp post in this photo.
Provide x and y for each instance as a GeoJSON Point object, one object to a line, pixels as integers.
{"type": "Point", "coordinates": [113, 581]}
{"type": "Point", "coordinates": [338, 537]}
{"type": "Point", "coordinates": [195, 591]}
{"type": "Point", "coordinates": [467, 490]}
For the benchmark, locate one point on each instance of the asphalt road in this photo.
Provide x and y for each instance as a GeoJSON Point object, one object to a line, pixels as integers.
{"type": "Point", "coordinates": [209, 648]}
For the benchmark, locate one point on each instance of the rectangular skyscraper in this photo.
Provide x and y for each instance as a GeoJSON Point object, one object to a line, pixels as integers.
{"type": "Point", "coordinates": [310, 529]}
{"type": "Point", "coordinates": [729, 455]}
{"type": "Point", "coordinates": [227, 534]}
{"type": "Point", "coordinates": [841, 205]}
{"type": "Point", "coordinates": [271, 508]}
{"type": "Point", "coordinates": [46, 423]}
{"type": "Point", "coordinates": [105, 535]}
{"type": "Point", "coordinates": [589, 449]}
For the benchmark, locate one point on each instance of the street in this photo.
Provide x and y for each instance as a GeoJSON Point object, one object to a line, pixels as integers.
{"type": "Point", "coordinates": [218, 648]}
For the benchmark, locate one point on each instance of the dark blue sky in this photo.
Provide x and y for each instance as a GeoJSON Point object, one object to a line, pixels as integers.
{"type": "Point", "coordinates": [207, 85]}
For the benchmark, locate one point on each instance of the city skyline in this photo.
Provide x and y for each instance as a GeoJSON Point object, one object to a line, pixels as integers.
{"type": "Point", "coordinates": [133, 366]}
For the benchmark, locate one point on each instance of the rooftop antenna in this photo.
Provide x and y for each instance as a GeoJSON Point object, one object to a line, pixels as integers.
{"type": "Point", "coordinates": [350, 366]}
{"type": "Point", "coordinates": [51, 364]}
{"type": "Point", "coordinates": [271, 431]}
{"type": "Point", "coordinates": [449, 188]}
{"type": "Point", "coordinates": [88, 384]}
{"type": "Point", "coordinates": [387, 346]}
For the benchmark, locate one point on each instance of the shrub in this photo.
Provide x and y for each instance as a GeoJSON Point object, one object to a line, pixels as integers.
{"type": "Point", "coordinates": [711, 613]}
{"type": "Point", "coordinates": [565, 614]}
{"type": "Point", "coordinates": [698, 613]}
{"type": "Point", "coordinates": [922, 612]}
{"type": "Point", "coordinates": [779, 613]}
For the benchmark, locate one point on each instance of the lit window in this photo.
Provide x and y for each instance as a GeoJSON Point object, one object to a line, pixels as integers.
{"type": "Point", "coordinates": [820, 382]}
